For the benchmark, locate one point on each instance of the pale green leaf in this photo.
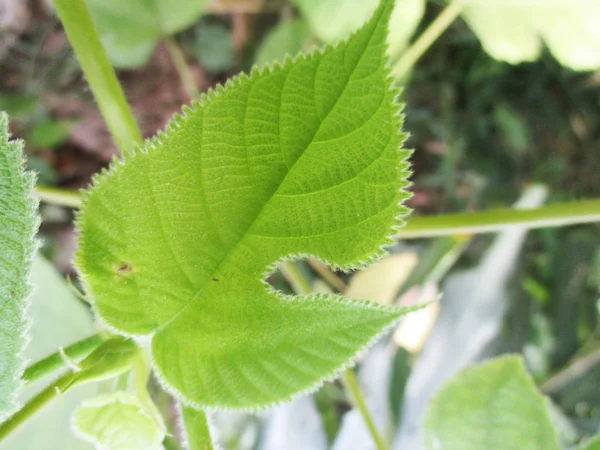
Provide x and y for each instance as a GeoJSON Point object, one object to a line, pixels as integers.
{"type": "Point", "coordinates": [197, 430]}
{"type": "Point", "coordinates": [176, 240]}
{"type": "Point", "coordinates": [287, 38]}
{"type": "Point", "coordinates": [18, 225]}
{"type": "Point", "coordinates": [515, 32]}
{"type": "Point", "coordinates": [110, 359]}
{"type": "Point", "coordinates": [332, 20]}
{"type": "Point", "coordinates": [130, 29]}
{"type": "Point", "coordinates": [118, 421]}
{"type": "Point", "coordinates": [495, 406]}
{"type": "Point", "coordinates": [58, 319]}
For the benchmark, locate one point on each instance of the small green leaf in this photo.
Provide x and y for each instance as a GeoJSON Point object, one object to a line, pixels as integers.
{"type": "Point", "coordinates": [213, 47]}
{"type": "Point", "coordinates": [591, 444]}
{"type": "Point", "coordinates": [113, 357]}
{"type": "Point", "coordinates": [130, 29]}
{"type": "Point", "coordinates": [18, 225]}
{"type": "Point", "coordinates": [197, 430]}
{"type": "Point", "coordinates": [332, 20]}
{"type": "Point", "coordinates": [176, 240]}
{"type": "Point", "coordinates": [287, 38]}
{"type": "Point", "coordinates": [495, 405]}
{"type": "Point", "coordinates": [118, 421]}
{"type": "Point", "coordinates": [513, 32]}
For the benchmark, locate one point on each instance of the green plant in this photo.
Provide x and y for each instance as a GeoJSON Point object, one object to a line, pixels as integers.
{"type": "Point", "coordinates": [302, 158]}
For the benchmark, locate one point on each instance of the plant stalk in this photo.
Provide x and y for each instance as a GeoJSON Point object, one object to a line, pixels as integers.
{"type": "Point", "coordinates": [100, 75]}
{"type": "Point", "coordinates": [34, 405]}
{"type": "Point", "coordinates": [182, 68]}
{"type": "Point", "coordinates": [493, 221]}
{"type": "Point", "coordinates": [441, 23]}
{"type": "Point", "coordinates": [58, 197]}
{"type": "Point", "coordinates": [56, 361]}
{"type": "Point", "coordinates": [353, 388]}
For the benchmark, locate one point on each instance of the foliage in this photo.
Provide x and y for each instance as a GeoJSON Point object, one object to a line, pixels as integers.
{"type": "Point", "coordinates": [118, 421]}
{"type": "Point", "coordinates": [272, 176]}
{"type": "Point", "coordinates": [494, 405]}
{"type": "Point", "coordinates": [18, 226]}
{"type": "Point", "coordinates": [332, 20]}
{"type": "Point", "coordinates": [515, 32]}
{"type": "Point", "coordinates": [130, 29]}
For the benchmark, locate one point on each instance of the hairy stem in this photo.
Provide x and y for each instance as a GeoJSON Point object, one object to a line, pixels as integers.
{"type": "Point", "coordinates": [56, 361]}
{"type": "Point", "coordinates": [492, 221]}
{"type": "Point", "coordinates": [34, 405]}
{"type": "Point", "coordinates": [182, 68]}
{"type": "Point", "coordinates": [353, 388]}
{"type": "Point", "coordinates": [430, 35]}
{"type": "Point", "coordinates": [100, 75]}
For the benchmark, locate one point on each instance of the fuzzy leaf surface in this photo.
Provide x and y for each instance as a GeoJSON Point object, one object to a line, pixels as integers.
{"type": "Point", "coordinates": [130, 29]}
{"type": "Point", "coordinates": [118, 421]}
{"type": "Point", "coordinates": [515, 31]}
{"type": "Point", "coordinates": [495, 405]}
{"type": "Point", "coordinates": [18, 225]}
{"type": "Point", "coordinates": [176, 240]}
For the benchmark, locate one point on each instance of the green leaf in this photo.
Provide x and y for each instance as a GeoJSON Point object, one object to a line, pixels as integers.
{"type": "Point", "coordinates": [118, 421]}
{"type": "Point", "coordinates": [110, 359]}
{"type": "Point", "coordinates": [18, 225]}
{"type": "Point", "coordinates": [58, 320]}
{"type": "Point", "coordinates": [130, 29]}
{"type": "Point", "coordinates": [197, 430]}
{"type": "Point", "coordinates": [591, 444]}
{"type": "Point", "coordinates": [332, 20]}
{"type": "Point", "coordinates": [494, 405]}
{"type": "Point", "coordinates": [213, 47]}
{"type": "Point", "coordinates": [287, 38]}
{"type": "Point", "coordinates": [515, 33]}
{"type": "Point", "coordinates": [176, 240]}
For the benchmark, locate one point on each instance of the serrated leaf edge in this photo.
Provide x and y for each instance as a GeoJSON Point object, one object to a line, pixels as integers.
{"type": "Point", "coordinates": [29, 180]}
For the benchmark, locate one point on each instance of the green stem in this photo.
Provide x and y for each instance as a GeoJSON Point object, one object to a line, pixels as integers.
{"type": "Point", "coordinates": [100, 75]}
{"type": "Point", "coordinates": [59, 197]}
{"type": "Point", "coordinates": [57, 361]}
{"type": "Point", "coordinates": [34, 405]}
{"type": "Point", "coordinates": [182, 68]}
{"type": "Point", "coordinates": [492, 221]}
{"type": "Point", "coordinates": [353, 388]}
{"type": "Point", "coordinates": [292, 274]}
{"type": "Point", "coordinates": [426, 39]}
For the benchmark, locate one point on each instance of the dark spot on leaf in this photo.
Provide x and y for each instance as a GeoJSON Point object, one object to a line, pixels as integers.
{"type": "Point", "coordinates": [215, 279]}
{"type": "Point", "coordinates": [124, 268]}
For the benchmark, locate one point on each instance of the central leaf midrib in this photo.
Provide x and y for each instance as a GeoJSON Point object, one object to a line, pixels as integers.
{"type": "Point", "coordinates": [232, 250]}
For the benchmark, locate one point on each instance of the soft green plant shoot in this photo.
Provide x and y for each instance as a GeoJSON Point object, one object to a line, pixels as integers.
{"type": "Point", "coordinates": [178, 237]}
{"type": "Point", "coordinates": [18, 225]}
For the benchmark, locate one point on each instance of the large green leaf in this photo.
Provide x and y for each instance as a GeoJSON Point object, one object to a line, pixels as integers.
{"type": "Point", "coordinates": [18, 225]}
{"type": "Point", "coordinates": [494, 405]}
{"type": "Point", "coordinates": [118, 421]}
{"type": "Point", "coordinates": [176, 240]}
{"type": "Point", "coordinates": [515, 31]}
{"type": "Point", "coordinates": [332, 20]}
{"type": "Point", "coordinates": [130, 29]}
